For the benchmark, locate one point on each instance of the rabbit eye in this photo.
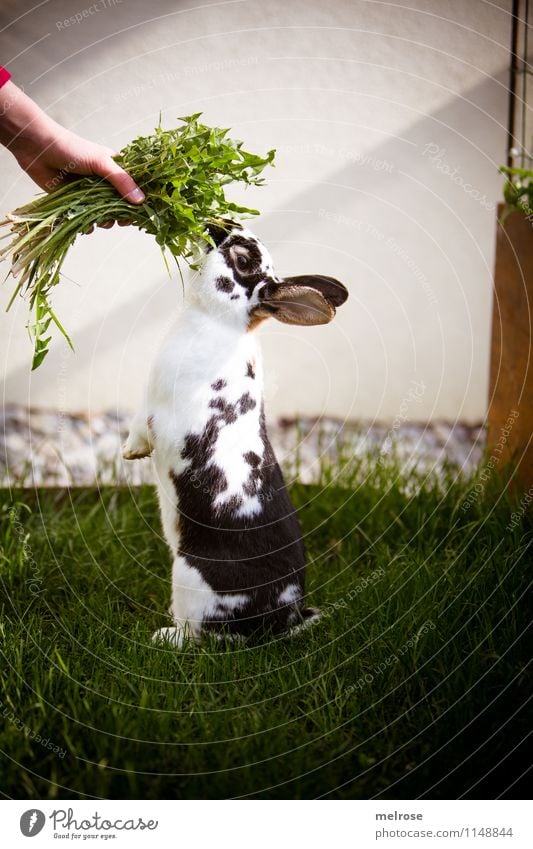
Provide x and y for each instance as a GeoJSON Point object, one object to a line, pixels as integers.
{"type": "Point", "coordinates": [243, 263]}
{"type": "Point", "coordinates": [241, 259]}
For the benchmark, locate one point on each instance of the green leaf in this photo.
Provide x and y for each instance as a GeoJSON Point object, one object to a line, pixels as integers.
{"type": "Point", "coordinates": [37, 359]}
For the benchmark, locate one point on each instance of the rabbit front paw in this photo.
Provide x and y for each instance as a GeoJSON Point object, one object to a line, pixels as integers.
{"type": "Point", "coordinates": [136, 449]}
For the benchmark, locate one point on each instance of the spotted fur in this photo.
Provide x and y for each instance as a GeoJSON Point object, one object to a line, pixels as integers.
{"type": "Point", "coordinates": [239, 561]}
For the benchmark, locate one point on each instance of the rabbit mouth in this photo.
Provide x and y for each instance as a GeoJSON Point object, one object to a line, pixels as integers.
{"type": "Point", "coordinates": [259, 314]}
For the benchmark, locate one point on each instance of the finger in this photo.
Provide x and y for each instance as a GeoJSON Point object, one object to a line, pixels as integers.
{"type": "Point", "coordinates": [123, 183]}
{"type": "Point", "coordinates": [105, 225]}
{"type": "Point", "coordinates": [125, 223]}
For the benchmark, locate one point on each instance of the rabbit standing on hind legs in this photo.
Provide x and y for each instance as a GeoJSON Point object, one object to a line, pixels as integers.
{"type": "Point", "coordinates": [238, 552]}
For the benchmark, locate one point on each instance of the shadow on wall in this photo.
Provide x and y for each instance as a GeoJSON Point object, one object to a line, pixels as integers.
{"type": "Point", "coordinates": [413, 218]}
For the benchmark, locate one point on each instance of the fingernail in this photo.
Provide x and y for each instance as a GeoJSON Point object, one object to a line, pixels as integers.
{"type": "Point", "coordinates": [136, 196]}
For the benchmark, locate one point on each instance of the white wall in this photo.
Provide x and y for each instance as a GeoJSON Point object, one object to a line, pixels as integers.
{"type": "Point", "coordinates": [357, 97]}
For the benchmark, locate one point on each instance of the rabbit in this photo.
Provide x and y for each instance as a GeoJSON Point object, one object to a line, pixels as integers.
{"type": "Point", "coordinates": [239, 561]}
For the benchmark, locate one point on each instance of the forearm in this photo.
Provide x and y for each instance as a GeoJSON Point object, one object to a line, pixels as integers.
{"type": "Point", "coordinates": [24, 127]}
{"type": "Point", "coordinates": [49, 152]}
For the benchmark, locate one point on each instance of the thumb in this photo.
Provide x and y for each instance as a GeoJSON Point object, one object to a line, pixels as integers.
{"type": "Point", "coordinates": [120, 179]}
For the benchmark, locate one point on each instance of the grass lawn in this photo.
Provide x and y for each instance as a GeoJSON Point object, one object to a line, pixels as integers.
{"type": "Point", "coordinates": [413, 683]}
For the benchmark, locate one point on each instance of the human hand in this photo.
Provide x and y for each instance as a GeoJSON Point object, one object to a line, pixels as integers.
{"type": "Point", "coordinates": [49, 153]}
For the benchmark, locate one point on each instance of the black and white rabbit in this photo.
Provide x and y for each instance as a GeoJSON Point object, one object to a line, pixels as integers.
{"type": "Point", "coordinates": [238, 552]}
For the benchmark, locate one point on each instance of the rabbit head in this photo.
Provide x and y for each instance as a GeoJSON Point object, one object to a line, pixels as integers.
{"type": "Point", "coordinates": [237, 283]}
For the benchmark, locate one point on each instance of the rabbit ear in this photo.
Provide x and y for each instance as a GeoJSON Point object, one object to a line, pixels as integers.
{"type": "Point", "coordinates": [308, 299]}
{"type": "Point", "coordinates": [220, 229]}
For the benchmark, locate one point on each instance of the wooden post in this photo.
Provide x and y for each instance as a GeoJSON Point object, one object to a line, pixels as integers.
{"type": "Point", "coordinates": [510, 416]}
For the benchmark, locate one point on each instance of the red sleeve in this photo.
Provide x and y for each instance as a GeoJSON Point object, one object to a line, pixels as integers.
{"type": "Point", "coordinates": [4, 76]}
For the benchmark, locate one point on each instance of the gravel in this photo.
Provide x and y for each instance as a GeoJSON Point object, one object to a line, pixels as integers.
{"type": "Point", "coordinates": [40, 447]}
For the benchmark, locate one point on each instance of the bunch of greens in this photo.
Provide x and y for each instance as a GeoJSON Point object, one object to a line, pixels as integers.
{"type": "Point", "coordinates": [182, 172]}
{"type": "Point", "coordinates": [518, 190]}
